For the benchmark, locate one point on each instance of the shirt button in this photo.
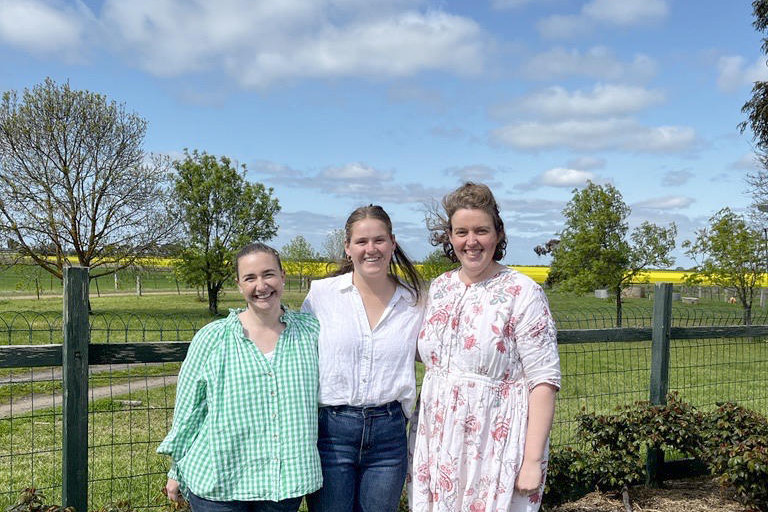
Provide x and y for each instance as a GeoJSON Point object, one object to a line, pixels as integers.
{"type": "Point", "coordinates": [273, 393]}
{"type": "Point", "coordinates": [274, 415]}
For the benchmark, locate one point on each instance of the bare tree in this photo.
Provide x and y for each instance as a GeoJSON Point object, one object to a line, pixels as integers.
{"type": "Point", "coordinates": [76, 187]}
{"type": "Point", "coordinates": [333, 245]}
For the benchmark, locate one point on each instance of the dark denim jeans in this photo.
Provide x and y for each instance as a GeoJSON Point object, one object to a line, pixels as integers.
{"type": "Point", "coordinates": [199, 504]}
{"type": "Point", "coordinates": [364, 455]}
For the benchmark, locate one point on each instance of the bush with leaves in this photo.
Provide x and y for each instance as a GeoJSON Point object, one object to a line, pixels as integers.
{"type": "Point", "coordinates": [731, 440]}
{"type": "Point", "coordinates": [735, 447]}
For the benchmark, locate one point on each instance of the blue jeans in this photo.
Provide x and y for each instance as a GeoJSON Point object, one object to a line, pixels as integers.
{"type": "Point", "coordinates": [364, 456]}
{"type": "Point", "coordinates": [199, 504]}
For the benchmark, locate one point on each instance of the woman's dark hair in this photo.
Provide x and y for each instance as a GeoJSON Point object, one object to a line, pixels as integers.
{"type": "Point", "coordinates": [254, 248]}
{"type": "Point", "coordinates": [471, 196]}
{"type": "Point", "coordinates": [399, 264]}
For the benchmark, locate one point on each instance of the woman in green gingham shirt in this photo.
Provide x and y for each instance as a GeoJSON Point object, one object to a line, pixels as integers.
{"type": "Point", "coordinates": [244, 434]}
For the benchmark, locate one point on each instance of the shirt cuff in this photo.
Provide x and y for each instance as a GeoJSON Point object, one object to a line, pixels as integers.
{"type": "Point", "coordinates": [172, 473]}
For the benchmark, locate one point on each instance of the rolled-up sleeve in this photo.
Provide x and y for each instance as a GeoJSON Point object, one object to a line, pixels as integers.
{"type": "Point", "coordinates": [536, 339]}
{"type": "Point", "coordinates": [191, 407]}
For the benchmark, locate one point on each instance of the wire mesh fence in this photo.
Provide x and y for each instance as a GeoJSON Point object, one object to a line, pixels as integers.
{"type": "Point", "coordinates": [131, 405]}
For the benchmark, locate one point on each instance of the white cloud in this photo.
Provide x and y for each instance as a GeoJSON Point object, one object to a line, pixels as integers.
{"type": "Point", "coordinates": [602, 100]}
{"type": "Point", "coordinates": [733, 73]}
{"type": "Point", "coordinates": [677, 178]}
{"type": "Point", "coordinates": [598, 62]}
{"type": "Point", "coordinates": [355, 172]}
{"type": "Point", "coordinates": [666, 203]}
{"type": "Point", "coordinates": [587, 163]}
{"type": "Point", "coordinates": [509, 4]}
{"type": "Point", "coordinates": [595, 134]}
{"type": "Point", "coordinates": [747, 162]}
{"type": "Point", "coordinates": [561, 26]}
{"type": "Point", "coordinates": [356, 180]}
{"type": "Point", "coordinates": [559, 177]}
{"type": "Point", "coordinates": [476, 173]}
{"type": "Point", "coordinates": [624, 13]}
{"type": "Point", "coordinates": [261, 43]}
{"type": "Point", "coordinates": [46, 28]}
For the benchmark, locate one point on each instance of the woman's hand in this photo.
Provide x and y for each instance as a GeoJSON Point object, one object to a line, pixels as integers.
{"type": "Point", "coordinates": [529, 478]}
{"type": "Point", "coordinates": [172, 491]}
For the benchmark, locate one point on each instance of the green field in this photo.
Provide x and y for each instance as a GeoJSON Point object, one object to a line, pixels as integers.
{"type": "Point", "coordinates": [126, 428]}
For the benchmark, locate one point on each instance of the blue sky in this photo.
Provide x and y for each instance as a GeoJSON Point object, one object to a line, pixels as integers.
{"type": "Point", "coordinates": [339, 103]}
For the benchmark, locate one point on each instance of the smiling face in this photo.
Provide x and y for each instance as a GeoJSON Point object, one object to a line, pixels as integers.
{"type": "Point", "coordinates": [370, 247]}
{"type": "Point", "coordinates": [474, 238]}
{"type": "Point", "coordinates": [260, 281]}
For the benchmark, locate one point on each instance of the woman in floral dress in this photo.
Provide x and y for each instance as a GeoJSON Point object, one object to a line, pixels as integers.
{"type": "Point", "coordinates": [488, 396]}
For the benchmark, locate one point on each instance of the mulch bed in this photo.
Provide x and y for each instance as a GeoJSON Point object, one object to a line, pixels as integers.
{"type": "Point", "coordinates": [688, 495]}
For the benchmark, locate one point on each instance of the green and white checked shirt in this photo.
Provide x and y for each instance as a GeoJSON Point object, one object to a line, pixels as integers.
{"type": "Point", "coordinates": [244, 428]}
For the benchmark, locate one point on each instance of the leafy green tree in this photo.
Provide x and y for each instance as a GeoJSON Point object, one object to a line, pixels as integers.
{"type": "Point", "coordinates": [221, 212]}
{"type": "Point", "coordinates": [76, 187]}
{"type": "Point", "coordinates": [729, 253]}
{"type": "Point", "coordinates": [300, 252]}
{"type": "Point", "coordinates": [595, 250]}
{"type": "Point", "coordinates": [434, 264]}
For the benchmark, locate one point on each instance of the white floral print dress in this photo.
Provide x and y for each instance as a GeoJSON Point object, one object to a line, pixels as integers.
{"type": "Point", "coordinates": [485, 346]}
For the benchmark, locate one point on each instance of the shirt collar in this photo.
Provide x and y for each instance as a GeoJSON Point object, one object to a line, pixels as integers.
{"type": "Point", "coordinates": [345, 285]}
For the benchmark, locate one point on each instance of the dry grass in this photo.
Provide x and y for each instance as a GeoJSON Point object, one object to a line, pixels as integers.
{"type": "Point", "coordinates": [688, 495]}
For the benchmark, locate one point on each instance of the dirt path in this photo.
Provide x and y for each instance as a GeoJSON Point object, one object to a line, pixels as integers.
{"type": "Point", "coordinates": [28, 403]}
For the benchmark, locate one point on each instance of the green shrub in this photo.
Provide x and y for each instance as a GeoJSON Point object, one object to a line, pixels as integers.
{"type": "Point", "coordinates": [731, 440]}
{"type": "Point", "coordinates": [734, 446]}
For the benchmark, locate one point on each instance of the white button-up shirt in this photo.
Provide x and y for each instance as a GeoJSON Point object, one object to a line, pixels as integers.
{"type": "Point", "coordinates": [358, 365]}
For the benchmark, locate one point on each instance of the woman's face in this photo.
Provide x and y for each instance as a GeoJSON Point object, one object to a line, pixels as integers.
{"type": "Point", "coordinates": [474, 238]}
{"type": "Point", "coordinates": [260, 280]}
{"type": "Point", "coordinates": [370, 248]}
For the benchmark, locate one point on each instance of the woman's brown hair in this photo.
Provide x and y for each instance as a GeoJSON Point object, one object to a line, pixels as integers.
{"type": "Point", "coordinates": [400, 264]}
{"type": "Point", "coordinates": [471, 196]}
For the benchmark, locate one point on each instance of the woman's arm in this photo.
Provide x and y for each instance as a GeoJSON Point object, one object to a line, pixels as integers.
{"type": "Point", "coordinates": [541, 411]}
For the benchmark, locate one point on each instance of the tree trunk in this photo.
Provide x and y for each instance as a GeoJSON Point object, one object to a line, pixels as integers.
{"type": "Point", "coordinates": [213, 299]}
{"type": "Point", "coordinates": [748, 315]}
{"type": "Point", "coordinates": [618, 307]}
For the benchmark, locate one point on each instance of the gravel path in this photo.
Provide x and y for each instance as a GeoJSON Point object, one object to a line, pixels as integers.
{"type": "Point", "coordinates": [28, 403]}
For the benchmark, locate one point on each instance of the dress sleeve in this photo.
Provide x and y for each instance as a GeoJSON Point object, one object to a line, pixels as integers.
{"type": "Point", "coordinates": [536, 339]}
{"type": "Point", "coordinates": [191, 406]}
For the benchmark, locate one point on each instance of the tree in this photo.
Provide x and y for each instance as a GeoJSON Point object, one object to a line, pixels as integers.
{"type": "Point", "coordinates": [756, 110]}
{"type": "Point", "coordinates": [300, 252]}
{"type": "Point", "coordinates": [436, 263]}
{"type": "Point", "coordinates": [221, 213]}
{"type": "Point", "coordinates": [594, 251]}
{"type": "Point", "coordinates": [76, 187]}
{"type": "Point", "coordinates": [333, 246]}
{"type": "Point", "coordinates": [546, 248]}
{"type": "Point", "coordinates": [729, 253]}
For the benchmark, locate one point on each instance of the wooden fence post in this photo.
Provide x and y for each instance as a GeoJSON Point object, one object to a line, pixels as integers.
{"type": "Point", "coordinates": [662, 324]}
{"type": "Point", "coordinates": [75, 404]}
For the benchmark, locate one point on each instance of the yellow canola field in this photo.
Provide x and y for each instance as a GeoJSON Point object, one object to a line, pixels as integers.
{"type": "Point", "coordinates": [539, 274]}
{"type": "Point", "coordinates": [316, 269]}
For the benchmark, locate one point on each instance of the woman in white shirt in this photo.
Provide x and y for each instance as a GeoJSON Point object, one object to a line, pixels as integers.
{"type": "Point", "coordinates": [370, 312]}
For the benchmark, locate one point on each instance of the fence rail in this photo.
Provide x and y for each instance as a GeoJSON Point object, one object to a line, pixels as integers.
{"type": "Point", "coordinates": [602, 368]}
